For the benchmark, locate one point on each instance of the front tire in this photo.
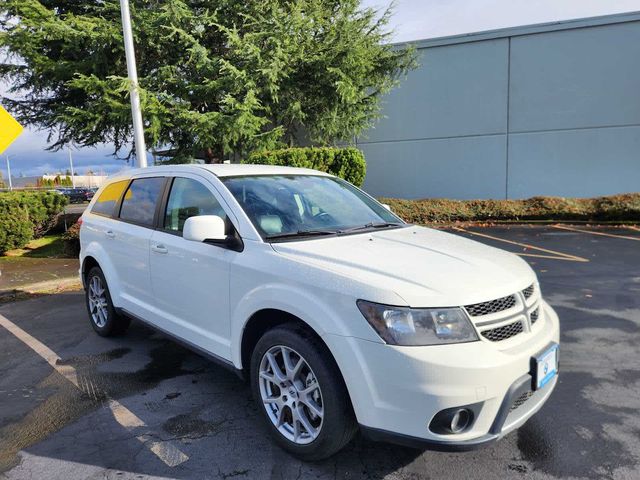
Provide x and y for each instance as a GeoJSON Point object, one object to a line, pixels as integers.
{"type": "Point", "coordinates": [300, 393]}
{"type": "Point", "coordinates": [102, 314]}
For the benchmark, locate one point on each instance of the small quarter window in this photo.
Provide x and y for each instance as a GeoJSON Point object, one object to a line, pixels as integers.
{"type": "Point", "coordinates": [139, 203]}
{"type": "Point", "coordinates": [106, 202]}
{"type": "Point", "coordinates": [189, 198]}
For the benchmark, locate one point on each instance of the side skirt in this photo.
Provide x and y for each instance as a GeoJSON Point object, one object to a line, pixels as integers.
{"type": "Point", "coordinates": [223, 362]}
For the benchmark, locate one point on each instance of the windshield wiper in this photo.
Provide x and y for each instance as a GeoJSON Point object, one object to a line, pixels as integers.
{"type": "Point", "coordinates": [301, 233]}
{"type": "Point", "coordinates": [371, 225]}
{"type": "Point", "coordinates": [314, 233]}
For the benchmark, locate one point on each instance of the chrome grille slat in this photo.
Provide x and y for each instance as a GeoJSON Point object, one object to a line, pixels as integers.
{"type": "Point", "coordinates": [504, 332]}
{"type": "Point", "coordinates": [492, 306]}
{"type": "Point", "coordinates": [527, 292]}
{"type": "Point", "coordinates": [535, 314]}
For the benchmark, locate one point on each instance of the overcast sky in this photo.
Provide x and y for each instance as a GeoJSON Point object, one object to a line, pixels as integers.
{"type": "Point", "coordinates": [413, 20]}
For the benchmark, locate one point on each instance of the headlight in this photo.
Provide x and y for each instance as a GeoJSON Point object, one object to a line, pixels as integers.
{"type": "Point", "coordinates": [419, 326]}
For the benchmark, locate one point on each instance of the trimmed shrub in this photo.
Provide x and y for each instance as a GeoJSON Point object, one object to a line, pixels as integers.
{"type": "Point", "coordinates": [25, 215]}
{"type": "Point", "coordinates": [71, 239]}
{"type": "Point", "coordinates": [43, 207]}
{"type": "Point", "coordinates": [624, 207]}
{"type": "Point", "coordinates": [347, 163]}
{"type": "Point", "coordinates": [15, 227]}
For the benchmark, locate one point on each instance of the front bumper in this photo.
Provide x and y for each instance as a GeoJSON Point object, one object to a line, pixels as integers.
{"type": "Point", "coordinates": [396, 391]}
{"type": "Point", "coordinates": [505, 422]}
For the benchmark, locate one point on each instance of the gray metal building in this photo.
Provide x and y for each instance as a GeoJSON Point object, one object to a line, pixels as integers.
{"type": "Point", "coordinates": [551, 109]}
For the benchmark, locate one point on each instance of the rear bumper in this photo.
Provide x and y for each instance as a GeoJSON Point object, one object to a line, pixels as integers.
{"type": "Point", "coordinates": [397, 391]}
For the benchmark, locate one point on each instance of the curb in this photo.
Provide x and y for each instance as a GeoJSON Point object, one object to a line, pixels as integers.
{"type": "Point", "coordinates": [541, 223]}
{"type": "Point", "coordinates": [40, 288]}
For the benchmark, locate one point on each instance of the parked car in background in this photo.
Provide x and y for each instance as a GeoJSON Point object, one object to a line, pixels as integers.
{"type": "Point", "coordinates": [340, 315]}
{"type": "Point", "coordinates": [88, 194]}
{"type": "Point", "coordinates": [77, 195]}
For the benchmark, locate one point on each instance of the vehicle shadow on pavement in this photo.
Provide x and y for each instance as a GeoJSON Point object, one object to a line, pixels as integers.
{"type": "Point", "coordinates": [203, 411]}
{"type": "Point", "coordinates": [51, 429]}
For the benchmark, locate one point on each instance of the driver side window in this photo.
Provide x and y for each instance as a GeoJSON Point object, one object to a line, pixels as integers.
{"type": "Point", "coordinates": [189, 198]}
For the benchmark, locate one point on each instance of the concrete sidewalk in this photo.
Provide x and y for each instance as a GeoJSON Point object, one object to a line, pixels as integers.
{"type": "Point", "coordinates": [31, 275]}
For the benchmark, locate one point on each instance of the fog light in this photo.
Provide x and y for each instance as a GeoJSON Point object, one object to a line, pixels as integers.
{"type": "Point", "coordinates": [460, 420]}
{"type": "Point", "coordinates": [453, 420]}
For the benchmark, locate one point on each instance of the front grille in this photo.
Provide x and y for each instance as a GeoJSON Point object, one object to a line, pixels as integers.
{"type": "Point", "coordinates": [527, 292]}
{"type": "Point", "coordinates": [535, 315]}
{"type": "Point", "coordinates": [502, 333]}
{"type": "Point", "coordinates": [492, 306]}
{"type": "Point", "coordinates": [521, 400]}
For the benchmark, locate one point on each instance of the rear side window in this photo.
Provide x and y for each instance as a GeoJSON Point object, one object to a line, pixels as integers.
{"type": "Point", "coordinates": [139, 203]}
{"type": "Point", "coordinates": [106, 202]}
{"type": "Point", "coordinates": [189, 198]}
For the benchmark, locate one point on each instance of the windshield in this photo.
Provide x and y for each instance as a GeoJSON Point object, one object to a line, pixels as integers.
{"type": "Point", "coordinates": [283, 206]}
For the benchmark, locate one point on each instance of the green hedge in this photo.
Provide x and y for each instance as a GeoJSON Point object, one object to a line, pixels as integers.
{"type": "Point", "coordinates": [624, 207]}
{"type": "Point", "coordinates": [347, 163]}
{"type": "Point", "coordinates": [71, 239]}
{"type": "Point", "coordinates": [15, 227]}
{"type": "Point", "coordinates": [25, 215]}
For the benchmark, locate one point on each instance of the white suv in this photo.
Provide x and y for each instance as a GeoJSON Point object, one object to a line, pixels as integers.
{"type": "Point", "coordinates": [341, 316]}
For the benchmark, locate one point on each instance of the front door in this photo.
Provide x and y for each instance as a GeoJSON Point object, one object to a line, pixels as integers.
{"type": "Point", "coordinates": [190, 280]}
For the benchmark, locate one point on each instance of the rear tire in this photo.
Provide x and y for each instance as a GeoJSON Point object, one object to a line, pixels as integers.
{"type": "Point", "coordinates": [305, 405]}
{"type": "Point", "coordinates": [104, 318]}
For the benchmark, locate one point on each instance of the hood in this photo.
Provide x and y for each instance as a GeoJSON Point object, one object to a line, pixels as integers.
{"type": "Point", "coordinates": [426, 267]}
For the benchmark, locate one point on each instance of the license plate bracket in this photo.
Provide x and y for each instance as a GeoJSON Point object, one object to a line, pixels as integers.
{"type": "Point", "coordinates": [544, 366]}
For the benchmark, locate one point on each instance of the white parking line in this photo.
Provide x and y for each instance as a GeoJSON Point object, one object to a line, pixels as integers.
{"type": "Point", "coordinates": [166, 451]}
{"type": "Point", "coordinates": [550, 254]}
{"type": "Point", "coordinates": [604, 234]}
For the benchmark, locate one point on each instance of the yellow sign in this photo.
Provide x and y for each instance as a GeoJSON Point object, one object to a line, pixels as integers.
{"type": "Point", "coordinates": [9, 129]}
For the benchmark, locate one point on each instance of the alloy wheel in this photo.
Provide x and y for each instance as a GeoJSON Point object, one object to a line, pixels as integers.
{"type": "Point", "coordinates": [291, 394]}
{"type": "Point", "coordinates": [98, 302]}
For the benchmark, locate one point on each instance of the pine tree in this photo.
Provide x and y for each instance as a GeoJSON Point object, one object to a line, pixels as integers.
{"type": "Point", "coordinates": [219, 77]}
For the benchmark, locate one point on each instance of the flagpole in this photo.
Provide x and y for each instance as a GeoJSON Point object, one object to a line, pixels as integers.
{"type": "Point", "coordinates": [9, 173]}
{"type": "Point", "coordinates": [73, 178]}
{"type": "Point", "coordinates": [138, 131]}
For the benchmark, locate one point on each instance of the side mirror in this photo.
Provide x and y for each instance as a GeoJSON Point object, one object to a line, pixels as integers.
{"type": "Point", "coordinates": [387, 206]}
{"type": "Point", "coordinates": [211, 229]}
{"type": "Point", "coordinates": [204, 227]}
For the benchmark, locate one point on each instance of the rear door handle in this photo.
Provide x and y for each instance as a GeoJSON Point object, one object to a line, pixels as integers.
{"type": "Point", "coordinates": [110, 234]}
{"type": "Point", "coordinates": [159, 248]}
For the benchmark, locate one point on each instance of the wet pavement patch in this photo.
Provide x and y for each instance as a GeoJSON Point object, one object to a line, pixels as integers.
{"type": "Point", "coordinates": [590, 427]}
{"type": "Point", "coordinates": [568, 437]}
{"type": "Point", "coordinates": [67, 403]}
{"type": "Point", "coordinates": [518, 468]}
{"type": "Point", "coordinates": [191, 426]}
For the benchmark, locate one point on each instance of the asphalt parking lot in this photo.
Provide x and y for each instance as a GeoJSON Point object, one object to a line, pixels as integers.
{"type": "Point", "coordinates": [141, 406]}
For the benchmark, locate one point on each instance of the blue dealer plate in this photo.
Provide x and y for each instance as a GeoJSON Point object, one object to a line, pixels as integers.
{"type": "Point", "coordinates": [546, 366]}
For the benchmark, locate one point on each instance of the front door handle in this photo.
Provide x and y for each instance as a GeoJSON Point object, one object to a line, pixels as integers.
{"type": "Point", "coordinates": [110, 234]}
{"type": "Point", "coordinates": [159, 248]}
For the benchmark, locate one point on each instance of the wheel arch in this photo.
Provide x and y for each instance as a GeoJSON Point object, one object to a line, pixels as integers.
{"type": "Point", "coordinates": [268, 318]}
{"type": "Point", "coordinates": [87, 264]}
{"type": "Point", "coordinates": [95, 256]}
{"type": "Point", "coordinates": [259, 323]}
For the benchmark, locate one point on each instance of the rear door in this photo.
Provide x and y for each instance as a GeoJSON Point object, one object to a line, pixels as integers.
{"type": "Point", "coordinates": [128, 239]}
{"type": "Point", "coordinates": [191, 279]}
